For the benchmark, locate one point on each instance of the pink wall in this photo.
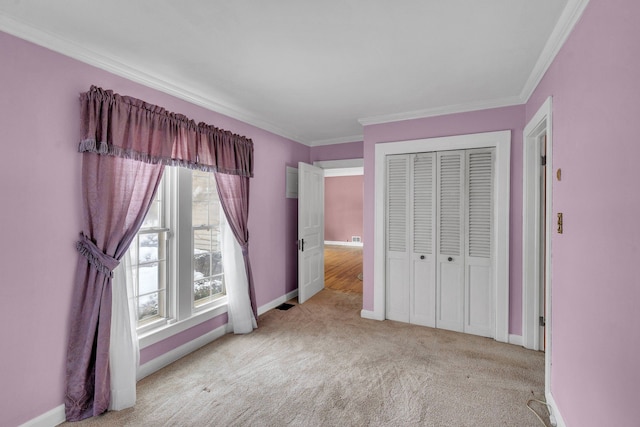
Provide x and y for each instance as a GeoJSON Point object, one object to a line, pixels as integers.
{"type": "Point", "coordinates": [596, 331]}
{"type": "Point", "coordinates": [508, 118]}
{"type": "Point", "coordinates": [343, 199]}
{"type": "Point", "coordinates": [595, 294]}
{"type": "Point", "coordinates": [40, 189]}
{"type": "Point", "coordinates": [348, 150]}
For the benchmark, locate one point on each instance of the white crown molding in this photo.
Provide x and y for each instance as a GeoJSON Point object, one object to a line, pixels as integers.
{"type": "Point", "coordinates": [441, 111]}
{"type": "Point", "coordinates": [340, 140]}
{"type": "Point", "coordinates": [113, 65]}
{"type": "Point", "coordinates": [568, 19]}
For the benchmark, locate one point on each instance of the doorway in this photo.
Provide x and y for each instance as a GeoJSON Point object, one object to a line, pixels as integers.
{"type": "Point", "coordinates": [344, 199]}
{"type": "Point", "coordinates": [537, 226]}
{"type": "Point", "coordinates": [333, 168]}
{"type": "Point", "coordinates": [343, 268]}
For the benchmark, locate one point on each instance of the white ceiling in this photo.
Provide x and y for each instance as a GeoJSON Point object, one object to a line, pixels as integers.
{"type": "Point", "coordinates": [312, 71]}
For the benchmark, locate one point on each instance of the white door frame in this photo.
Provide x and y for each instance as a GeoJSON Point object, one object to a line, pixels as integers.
{"type": "Point", "coordinates": [539, 125]}
{"type": "Point", "coordinates": [502, 142]}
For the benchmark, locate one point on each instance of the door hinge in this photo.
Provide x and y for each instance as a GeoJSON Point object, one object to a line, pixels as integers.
{"type": "Point", "coordinates": [543, 160]}
{"type": "Point", "coordinates": [542, 322]}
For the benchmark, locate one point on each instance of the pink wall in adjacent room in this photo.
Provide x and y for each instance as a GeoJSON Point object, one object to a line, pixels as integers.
{"type": "Point", "coordinates": [594, 82]}
{"type": "Point", "coordinates": [40, 189]}
{"type": "Point", "coordinates": [343, 199]}
{"type": "Point", "coordinates": [507, 118]}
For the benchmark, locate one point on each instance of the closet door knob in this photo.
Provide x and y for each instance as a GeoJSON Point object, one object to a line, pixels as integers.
{"type": "Point", "coordinates": [449, 259]}
{"type": "Point", "coordinates": [421, 256]}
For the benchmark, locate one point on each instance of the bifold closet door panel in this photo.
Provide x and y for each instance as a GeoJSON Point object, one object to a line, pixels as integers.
{"type": "Point", "coordinates": [439, 253]}
{"type": "Point", "coordinates": [398, 267]}
{"type": "Point", "coordinates": [479, 290]}
{"type": "Point", "coordinates": [423, 257]}
{"type": "Point", "coordinates": [450, 240]}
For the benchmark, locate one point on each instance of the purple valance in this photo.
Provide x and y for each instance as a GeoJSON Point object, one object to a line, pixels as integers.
{"type": "Point", "coordinates": [130, 128]}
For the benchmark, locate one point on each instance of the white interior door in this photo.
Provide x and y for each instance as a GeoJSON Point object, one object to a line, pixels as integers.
{"type": "Point", "coordinates": [397, 242]}
{"type": "Point", "coordinates": [439, 216]}
{"type": "Point", "coordinates": [423, 257]}
{"type": "Point", "coordinates": [479, 289]}
{"type": "Point", "coordinates": [310, 231]}
{"type": "Point", "coordinates": [450, 244]}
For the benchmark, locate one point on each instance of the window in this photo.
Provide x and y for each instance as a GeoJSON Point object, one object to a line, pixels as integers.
{"type": "Point", "coordinates": [176, 256]}
{"type": "Point", "coordinates": [148, 254]}
{"type": "Point", "coordinates": [206, 215]}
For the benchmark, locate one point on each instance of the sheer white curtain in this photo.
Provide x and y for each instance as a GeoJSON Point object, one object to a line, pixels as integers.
{"type": "Point", "coordinates": [124, 352]}
{"type": "Point", "coordinates": [240, 314]}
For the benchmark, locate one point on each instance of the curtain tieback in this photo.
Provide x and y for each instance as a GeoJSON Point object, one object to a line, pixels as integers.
{"type": "Point", "coordinates": [245, 250]}
{"type": "Point", "coordinates": [102, 262]}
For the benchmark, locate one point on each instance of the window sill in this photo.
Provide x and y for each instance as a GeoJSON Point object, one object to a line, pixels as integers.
{"type": "Point", "coordinates": [170, 329]}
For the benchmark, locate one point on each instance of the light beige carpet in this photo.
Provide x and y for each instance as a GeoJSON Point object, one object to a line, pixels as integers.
{"type": "Point", "coordinates": [321, 364]}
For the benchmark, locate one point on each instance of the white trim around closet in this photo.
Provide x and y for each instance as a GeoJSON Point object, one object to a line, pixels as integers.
{"type": "Point", "coordinates": [501, 140]}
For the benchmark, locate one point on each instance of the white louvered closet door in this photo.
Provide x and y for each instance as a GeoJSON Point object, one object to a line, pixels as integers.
{"type": "Point", "coordinates": [450, 240]}
{"type": "Point", "coordinates": [439, 213]}
{"type": "Point", "coordinates": [423, 219]}
{"type": "Point", "coordinates": [479, 293]}
{"type": "Point", "coordinates": [397, 228]}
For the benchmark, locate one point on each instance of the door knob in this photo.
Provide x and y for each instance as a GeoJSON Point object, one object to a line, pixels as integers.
{"type": "Point", "coordinates": [449, 259]}
{"type": "Point", "coordinates": [421, 256]}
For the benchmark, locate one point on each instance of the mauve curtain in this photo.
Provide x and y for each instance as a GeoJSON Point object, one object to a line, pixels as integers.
{"type": "Point", "coordinates": [117, 193]}
{"type": "Point", "coordinates": [130, 128]}
{"type": "Point", "coordinates": [233, 191]}
{"type": "Point", "coordinates": [126, 142]}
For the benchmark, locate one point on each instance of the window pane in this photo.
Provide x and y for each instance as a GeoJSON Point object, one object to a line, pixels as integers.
{"type": "Point", "coordinates": [201, 254]}
{"type": "Point", "coordinates": [204, 198]}
{"type": "Point", "coordinates": [153, 216]}
{"type": "Point", "coordinates": [148, 250]}
{"type": "Point", "coordinates": [133, 251]}
{"type": "Point", "coordinates": [148, 256]}
{"type": "Point", "coordinates": [207, 257]}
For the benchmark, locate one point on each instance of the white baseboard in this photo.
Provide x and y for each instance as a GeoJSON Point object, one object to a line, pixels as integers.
{"type": "Point", "coordinates": [175, 354]}
{"type": "Point", "coordinates": [555, 417]}
{"type": "Point", "coordinates": [51, 418]}
{"type": "Point", "coordinates": [57, 415]}
{"type": "Point", "coordinates": [171, 356]}
{"type": "Point", "coordinates": [276, 302]}
{"type": "Point", "coordinates": [341, 243]}
{"type": "Point", "coordinates": [516, 340]}
{"type": "Point", "coordinates": [367, 314]}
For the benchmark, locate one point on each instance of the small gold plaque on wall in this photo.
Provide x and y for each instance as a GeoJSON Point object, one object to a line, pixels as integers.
{"type": "Point", "coordinates": [560, 222]}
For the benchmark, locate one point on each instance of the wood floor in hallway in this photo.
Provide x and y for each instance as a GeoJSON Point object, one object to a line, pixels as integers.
{"type": "Point", "coordinates": [342, 265]}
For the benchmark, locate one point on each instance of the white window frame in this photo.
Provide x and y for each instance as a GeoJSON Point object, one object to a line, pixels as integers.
{"type": "Point", "coordinates": [181, 314]}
